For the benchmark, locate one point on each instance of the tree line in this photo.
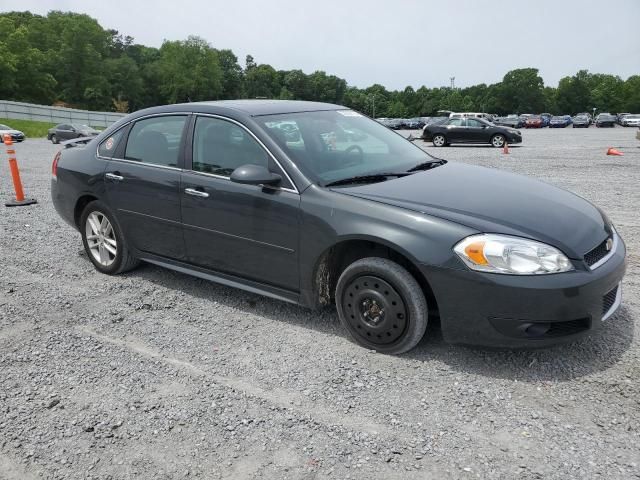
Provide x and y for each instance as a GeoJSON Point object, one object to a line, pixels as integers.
{"type": "Point", "coordinates": [68, 58]}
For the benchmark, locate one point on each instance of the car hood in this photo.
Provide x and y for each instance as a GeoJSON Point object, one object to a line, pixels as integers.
{"type": "Point", "coordinates": [11, 132]}
{"type": "Point", "coordinates": [494, 201]}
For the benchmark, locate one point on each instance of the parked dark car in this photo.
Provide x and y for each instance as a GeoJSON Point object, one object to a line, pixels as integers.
{"type": "Point", "coordinates": [390, 234]}
{"type": "Point", "coordinates": [412, 124]}
{"type": "Point", "coordinates": [68, 131]}
{"type": "Point", "coordinates": [16, 135]}
{"type": "Point", "coordinates": [605, 120]}
{"type": "Point", "coordinates": [560, 121]}
{"type": "Point", "coordinates": [535, 121]}
{"type": "Point", "coordinates": [581, 121]}
{"type": "Point", "coordinates": [469, 130]}
{"type": "Point", "coordinates": [513, 122]}
{"type": "Point", "coordinates": [586, 114]}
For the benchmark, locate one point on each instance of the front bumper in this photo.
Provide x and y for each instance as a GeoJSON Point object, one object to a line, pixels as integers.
{"type": "Point", "coordinates": [526, 311]}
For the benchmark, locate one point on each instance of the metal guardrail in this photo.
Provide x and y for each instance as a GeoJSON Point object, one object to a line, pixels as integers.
{"type": "Point", "coordinates": [43, 113]}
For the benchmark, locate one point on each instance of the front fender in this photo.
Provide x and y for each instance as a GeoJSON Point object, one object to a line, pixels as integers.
{"type": "Point", "coordinates": [329, 218]}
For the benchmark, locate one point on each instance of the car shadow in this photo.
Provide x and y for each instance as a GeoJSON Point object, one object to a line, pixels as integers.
{"type": "Point", "coordinates": [597, 352]}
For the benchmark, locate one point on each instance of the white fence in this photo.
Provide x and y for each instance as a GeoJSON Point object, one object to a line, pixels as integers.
{"type": "Point", "coordinates": [42, 113]}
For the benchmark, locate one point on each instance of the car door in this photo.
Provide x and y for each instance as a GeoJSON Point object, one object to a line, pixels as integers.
{"type": "Point", "coordinates": [244, 230]}
{"type": "Point", "coordinates": [455, 130]}
{"type": "Point", "coordinates": [65, 132]}
{"type": "Point", "coordinates": [477, 131]}
{"type": "Point", "coordinates": [142, 180]}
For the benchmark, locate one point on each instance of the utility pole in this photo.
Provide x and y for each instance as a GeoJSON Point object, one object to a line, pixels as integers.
{"type": "Point", "coordinates": [373, 105]}
{"type": "Point", "coordinates": [453, 82]}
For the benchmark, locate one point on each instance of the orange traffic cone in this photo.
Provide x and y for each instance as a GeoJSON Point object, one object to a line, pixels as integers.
{"type": "Point", "coordinates": [613, 151]}
{"type": "Point", "coordinates": [505, 149]}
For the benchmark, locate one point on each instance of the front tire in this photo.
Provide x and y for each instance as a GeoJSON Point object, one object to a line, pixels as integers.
{"type": "Point", "coordinates": [54, 139]}
{"type": "Point", "coordinates": [103, 240]}
{"type": "Point", "coordinates": [498, 141]}
{"type": "Point", "coordinates": [439, 140]}
{"type": "Point", "coordinates": [381, 305]}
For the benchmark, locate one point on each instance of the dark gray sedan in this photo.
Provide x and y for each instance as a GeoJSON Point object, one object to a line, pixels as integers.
{"type": "Point", "coordinates": [470, 130]}
{"type": "Point", "coordinates": [270, 197]}
{"type": "Point", "coordinates": [68, 131]}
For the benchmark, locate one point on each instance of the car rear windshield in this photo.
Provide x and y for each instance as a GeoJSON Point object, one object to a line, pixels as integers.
{"type": "Point", "coordinates": [336, 144]}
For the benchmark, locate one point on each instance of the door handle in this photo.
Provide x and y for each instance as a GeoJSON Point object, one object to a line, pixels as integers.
{"type": "Point", "coordinates": [113, 176]}
{"type": "Point", "coordinates": [196, 193]}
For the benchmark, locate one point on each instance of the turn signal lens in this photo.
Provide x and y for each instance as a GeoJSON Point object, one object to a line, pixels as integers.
{"type": "Point", "coordinates": [511, 255]}
{"type": "Point", "coordinates": [475, 252]}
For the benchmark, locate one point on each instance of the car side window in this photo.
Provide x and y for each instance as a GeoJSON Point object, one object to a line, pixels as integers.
{"type": "Point", "coordinates": [471, 122]}
{"type": "Point", "coordinates": [219, 147]}
{"type": "Point", "coordinates": [455, 122]}
{"type": "Point", "coordinates": [108, 146]}
{"type": "Point", "coordinates": [156, 140]}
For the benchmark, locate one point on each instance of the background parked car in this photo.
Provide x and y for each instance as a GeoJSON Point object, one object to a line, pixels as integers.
{"type": "Point", "coordinates": [605, 120]}
{"type": "Point", "coordinates": [546, 119]}
{"type": "Point", "coordinates": [470, 130]}
{"type": "Point", "coordinates": [620, 117]}
{"type": "Point", "coordinates": [67, 131]}
{"type": "Point", "coordinates": [513, 122]}
{"type": "Point", "coordinates": [16, 135]}
{"type": "Point", "coordinates": [586, 114]}
{"type": "Point", "coordinates": [412, 123]}
{"type": "Point", "coordinates": [581, 121]}
{"type": "Point", "coordinates": [534, 121]}
{"type": "Point", "coordinates": [560, 121]}
{"type": "Point", "coordinates": [630, 120]}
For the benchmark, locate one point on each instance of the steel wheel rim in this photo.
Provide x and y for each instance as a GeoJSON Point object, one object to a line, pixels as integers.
{"type": "Point", "coordinates": [101, 238]}
{"type": "Point", "coordinates": [438, 140]}
{"type": "Point", "coordinates": [498, 141]}
{"type": "Point", "coordinates": [375, 311]}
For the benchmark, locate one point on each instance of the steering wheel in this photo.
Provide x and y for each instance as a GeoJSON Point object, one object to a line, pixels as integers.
{"type": "Point", "coordinates": [355, 161]}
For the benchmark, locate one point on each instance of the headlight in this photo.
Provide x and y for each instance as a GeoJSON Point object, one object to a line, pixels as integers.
{"type": "Point", "coordinates": [511, 255]}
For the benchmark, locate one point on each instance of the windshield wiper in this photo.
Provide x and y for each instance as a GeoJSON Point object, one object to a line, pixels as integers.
{"type": "Point", "coordinates": [428, 165]}
{"type": "Point", "coordinates": [376, 177]}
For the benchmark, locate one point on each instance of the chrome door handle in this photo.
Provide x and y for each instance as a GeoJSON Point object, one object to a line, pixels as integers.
{"type": "Point", "coordinates": [113, 176]}
{"type": "Point", "coordinates": [196, 193]}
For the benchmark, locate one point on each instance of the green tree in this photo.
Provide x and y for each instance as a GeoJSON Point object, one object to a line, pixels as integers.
{"type": "Point", "coordinates": [189, 71]}
{"type": "Point", "coordinates": [521, 91]}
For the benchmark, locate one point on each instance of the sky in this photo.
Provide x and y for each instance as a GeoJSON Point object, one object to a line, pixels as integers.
{"type": "Point", "coordinates": [393, 43]}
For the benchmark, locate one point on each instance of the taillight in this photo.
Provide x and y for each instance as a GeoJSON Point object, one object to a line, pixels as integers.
{"type": "Point", "coordinates": [54, 165]}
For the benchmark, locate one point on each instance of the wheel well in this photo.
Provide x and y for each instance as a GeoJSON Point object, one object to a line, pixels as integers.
{"type": "Point", "coordinates": [80, 204]}
{"type": "Point", "coordinates": [335, 259]}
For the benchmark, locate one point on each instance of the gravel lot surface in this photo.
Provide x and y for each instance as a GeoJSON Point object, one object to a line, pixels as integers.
{"type": "Point", "coordinates": [157, 375]}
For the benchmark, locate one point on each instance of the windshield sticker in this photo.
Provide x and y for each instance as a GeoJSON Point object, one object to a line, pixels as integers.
{"type": "Point", "coordinates": [348, 113]}
{"type": "Point", "coordinates": [109, 143]}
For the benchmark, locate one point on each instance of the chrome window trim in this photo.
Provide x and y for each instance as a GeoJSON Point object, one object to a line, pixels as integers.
{"type": "Point", "coordinates": [221, 117]}
{"type": "Point", "coordinates": [144, 164]}
{"type": "Point", "coordinates": [222, 177]}
{"type": "Point", "coordinates": [616, 304]}
{"type": "Point", "coordinates": [604, 259]}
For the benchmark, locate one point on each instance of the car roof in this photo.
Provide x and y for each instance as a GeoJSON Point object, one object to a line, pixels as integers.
{"type": "Point", "coordinates": [266, 107]}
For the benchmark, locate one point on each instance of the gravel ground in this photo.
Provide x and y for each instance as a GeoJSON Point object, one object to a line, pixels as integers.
{"type": "Point", "coordinates": [157, 375]}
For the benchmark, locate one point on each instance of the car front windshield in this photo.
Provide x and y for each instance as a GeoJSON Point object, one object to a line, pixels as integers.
{"type": "Point", "coordinates": [339, 144]}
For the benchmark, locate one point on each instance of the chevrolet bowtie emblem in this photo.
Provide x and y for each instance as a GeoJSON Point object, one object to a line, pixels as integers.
{"type": "Point", "coordinates": [609, 244]}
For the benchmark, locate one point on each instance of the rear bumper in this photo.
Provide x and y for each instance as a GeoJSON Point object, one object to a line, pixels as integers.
{"type": "Point", "coordinates": [526, 311]}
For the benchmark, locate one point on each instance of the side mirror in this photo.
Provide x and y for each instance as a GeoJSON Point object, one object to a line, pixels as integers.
{"type": "Point", "coordinates": [251, 174]}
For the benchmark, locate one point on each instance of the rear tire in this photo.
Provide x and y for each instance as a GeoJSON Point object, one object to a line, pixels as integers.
{"type": "Point", "coordinates": [381, 305]}
{"type": "Point", "coordinates": [439, 140]}
{"type": "Point", "coordinates": [103, 240]}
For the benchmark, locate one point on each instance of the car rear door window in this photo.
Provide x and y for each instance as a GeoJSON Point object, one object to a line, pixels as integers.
{"type": "Point", "coordinates": [220, 146]}
{"type": "Point", "coordinates": [456, 122]}
{"type": "Point", "coordinates": [472, 122]}
{"type": "Point", "coordinates": [156, 140]}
